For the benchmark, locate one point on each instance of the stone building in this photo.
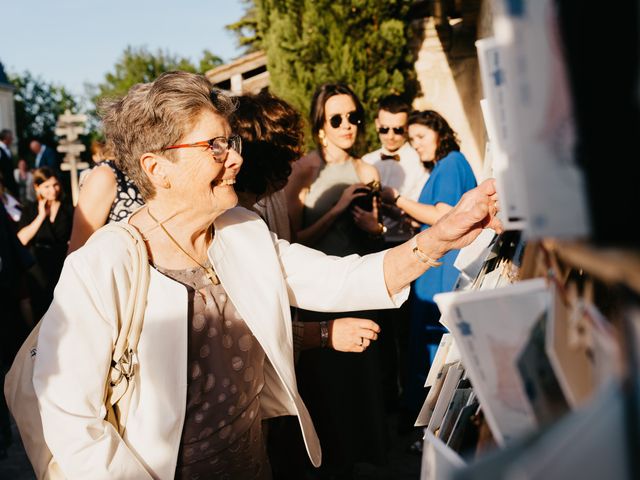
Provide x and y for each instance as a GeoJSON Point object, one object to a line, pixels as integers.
{"type": "Point", "coordinates": [7, 108]}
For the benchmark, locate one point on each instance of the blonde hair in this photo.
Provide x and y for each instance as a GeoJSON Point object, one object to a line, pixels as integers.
{"type": "Point", "coordinates": [155, 115]}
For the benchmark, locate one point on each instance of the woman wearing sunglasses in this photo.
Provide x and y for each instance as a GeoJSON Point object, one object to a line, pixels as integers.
{"type": "Point", "coordinates": [215, 354]}
{"type": "Point", "coordinates": [451, 176]}
{"type": "Point", "coordinates": [342, 390]}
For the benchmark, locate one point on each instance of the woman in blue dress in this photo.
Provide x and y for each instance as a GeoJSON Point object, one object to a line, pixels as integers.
{"type": "Point", "coordinates": [451, 176]}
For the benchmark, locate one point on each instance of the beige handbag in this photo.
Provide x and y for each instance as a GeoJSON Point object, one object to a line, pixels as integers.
{"type": "Point", "coordinates": [18, 386]}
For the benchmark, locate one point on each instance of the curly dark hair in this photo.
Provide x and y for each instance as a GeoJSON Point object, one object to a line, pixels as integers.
{"type": "Point", "coordinates": [272, 136]}
{"type": "Point", "coordinates": [447, 138]}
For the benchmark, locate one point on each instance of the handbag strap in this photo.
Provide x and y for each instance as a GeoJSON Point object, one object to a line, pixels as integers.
{"type": "Point", "coordinates": [123, 358]}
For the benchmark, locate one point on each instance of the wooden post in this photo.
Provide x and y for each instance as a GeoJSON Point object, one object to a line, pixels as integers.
{"type": "Point", "coordinates": [71, 126]}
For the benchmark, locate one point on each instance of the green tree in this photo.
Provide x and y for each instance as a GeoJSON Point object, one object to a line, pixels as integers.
{"type": "Point", "coordinates": [209, 61]}
{"type": "Point", "coordinates": [364, 43]}
{"type": "Point", "coordinates": [38, 104]}
{"type": "Point", "coordinates": [138, 65]}
{"type": "Point", "coordinates": [246, 29]}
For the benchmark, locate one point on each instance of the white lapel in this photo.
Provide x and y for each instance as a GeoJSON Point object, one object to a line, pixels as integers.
{"type": "Point", "coordinates": [245, 260]}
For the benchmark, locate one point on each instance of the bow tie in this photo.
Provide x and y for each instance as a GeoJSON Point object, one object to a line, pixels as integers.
{"type": "Point", "coordinates": [395, 156]}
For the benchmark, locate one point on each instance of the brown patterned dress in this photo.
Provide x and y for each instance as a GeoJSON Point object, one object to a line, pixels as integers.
{"type": "Point", "coordinates": [222, 436]}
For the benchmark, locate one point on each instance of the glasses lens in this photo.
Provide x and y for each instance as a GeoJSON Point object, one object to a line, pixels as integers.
{"type": "Point", "coordinates": [398, 130]}
{"type": "Point", "coordinates": [219, 146]}
{"type": "Point", "coordinates": [336, 120]}
{"type": "Point", "coordinates": [383, 130]}
{"type": "Point", "coordinates": [235, 141]}
{"type": "Point", "coordinates": [354, 118]}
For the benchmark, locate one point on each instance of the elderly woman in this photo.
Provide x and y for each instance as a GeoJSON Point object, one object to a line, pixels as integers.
{"type": "Point", "coordinates": [215, 354]}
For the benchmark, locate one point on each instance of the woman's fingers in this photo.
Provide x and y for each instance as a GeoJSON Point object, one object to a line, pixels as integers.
{"type": "Point", "coordinates": [351, 334]}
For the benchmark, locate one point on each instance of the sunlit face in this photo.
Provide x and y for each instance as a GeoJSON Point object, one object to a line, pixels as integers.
{"type": "Point", "coordinates": [395, 126]}
{"type": "Point", "coordinates": [196, 180]}
{"type": "Point", "coordinates": [49, 190]}
{"type": "Point", "coordinates": [424, 140]}
{"type": "Point", "coordinates": [344, 135]}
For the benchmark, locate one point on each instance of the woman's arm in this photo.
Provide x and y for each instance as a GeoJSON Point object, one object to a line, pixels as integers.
{"type": "Point", "coordinates": [75, 344]}
{"type": "Point", "coordinates": [423, 213]}
{"type": "Point", "coordinates": [475, 211]}
{"type": "Point", "coordinates": [96, 197]}
{"type": "Point", "coordinates": [347, 334]}
{"type": "Point", "coordinates": [28, 232]}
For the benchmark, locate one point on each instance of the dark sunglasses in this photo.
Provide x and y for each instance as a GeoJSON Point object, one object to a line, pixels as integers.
{"type": "Point", "coordinates": [354, 118]}
{"type": "Point", "coordinates": [396, 130]}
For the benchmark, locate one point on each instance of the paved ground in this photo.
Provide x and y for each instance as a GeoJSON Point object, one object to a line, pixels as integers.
{"type": "Point", "coordinates": [402, 465]}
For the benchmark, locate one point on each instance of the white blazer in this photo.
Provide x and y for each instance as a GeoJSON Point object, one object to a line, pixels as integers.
{"type": "Point", "coordinates": [262, 276]}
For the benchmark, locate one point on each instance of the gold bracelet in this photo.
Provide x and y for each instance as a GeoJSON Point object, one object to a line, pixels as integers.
{"type": "Point", "coordinates": [423, 257]}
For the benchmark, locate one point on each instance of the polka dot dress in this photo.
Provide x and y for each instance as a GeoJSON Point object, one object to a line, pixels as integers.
{"type": "Point", "coordinates": [222, 435]}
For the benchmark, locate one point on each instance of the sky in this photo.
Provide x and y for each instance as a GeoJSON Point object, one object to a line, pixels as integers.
{"type": "Point", "coordinates": [70, 42]}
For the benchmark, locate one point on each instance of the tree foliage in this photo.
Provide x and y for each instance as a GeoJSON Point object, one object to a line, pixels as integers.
{"type": "Point", "coordinates": [137, 65]}
{"type": "Point", "coordinates": [246, 29]}
{"type": "Point", "coordinates": [363, 43]}
{"type": "Point", "coordinates": [38, 104]}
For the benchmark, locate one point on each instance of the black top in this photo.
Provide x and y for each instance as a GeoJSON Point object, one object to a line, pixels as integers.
{"type": "Point", "coordinates": [128, 196]}
{"type": "Point", "coordinates": [49, 234]}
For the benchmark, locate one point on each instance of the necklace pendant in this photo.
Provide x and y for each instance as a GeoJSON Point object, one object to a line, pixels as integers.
{"type": "Point", "coordinates": [211, 275]}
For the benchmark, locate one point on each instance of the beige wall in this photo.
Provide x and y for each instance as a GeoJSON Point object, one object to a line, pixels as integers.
{"type": "Point", "coordinates": [450, 82]}
{"type": "Point", "coordinates": [7, 110]}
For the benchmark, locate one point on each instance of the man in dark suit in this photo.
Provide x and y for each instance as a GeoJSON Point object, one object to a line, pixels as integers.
{"type": "Point", "coordinates": [45, 156]}
{"type": "Point", "coordinates": [6, 162]}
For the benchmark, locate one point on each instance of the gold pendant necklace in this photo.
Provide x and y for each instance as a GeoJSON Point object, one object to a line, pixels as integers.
{"type": "Point", "coordinates": [208, 271]}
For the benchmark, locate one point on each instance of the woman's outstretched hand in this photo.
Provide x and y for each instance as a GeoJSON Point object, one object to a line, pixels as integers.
{"type": "Point", "coordinates": [475, 211]}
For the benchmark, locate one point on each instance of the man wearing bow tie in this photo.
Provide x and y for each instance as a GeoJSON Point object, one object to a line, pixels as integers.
{"type": "Point", "coordinates": [397, 162]}
{"type": "Point", "coordinates": [400, 167]}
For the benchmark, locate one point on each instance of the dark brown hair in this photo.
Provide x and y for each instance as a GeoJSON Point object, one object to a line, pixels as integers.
{"type": "Point", "coordinates": [318, 102]}
{"type": "Point", "coordinates": [272, 135]}
{"type": "Point", "coordinates": [447, 138]}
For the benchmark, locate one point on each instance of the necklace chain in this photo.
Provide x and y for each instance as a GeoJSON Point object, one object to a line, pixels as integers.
{"type": "Point", "coordinates": [209, 272]}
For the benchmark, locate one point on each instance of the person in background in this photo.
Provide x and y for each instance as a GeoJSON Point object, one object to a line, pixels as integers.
{"type": "Point", "coordinates": [400, 168]}
{"type": "Point", "coordinates": [24, 179]}
{"type": "Point", "coordinates": [342, 390]}
{"type": "Point", "coordinates": [15, 259]}
{"type": "Point", "coordinates": [451, 176]}
{"type": "Point", "coordinates": [45, 156]}
{"type": "Point", "coordinates": [272, 139]}
{"type": "Point", "coordinates": [45, 227]}
{"type": "Point", "coordinates": [106, 195]}
{"type": "Point", "coordinates": [11, 204]}
{"type": "Point", "coordinates": [397, 162]}
{"type": "Point", "coordinates": [6, 161]}
{"type": "Point", "coordinates": [215, 353]}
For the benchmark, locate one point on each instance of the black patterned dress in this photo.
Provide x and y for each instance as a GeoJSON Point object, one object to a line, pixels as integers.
{"type": "Point", "coordinates": [128, 197]}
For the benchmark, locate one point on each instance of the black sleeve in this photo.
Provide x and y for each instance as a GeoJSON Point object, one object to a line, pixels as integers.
{"type": "Point", "coordinates": [29, 214]}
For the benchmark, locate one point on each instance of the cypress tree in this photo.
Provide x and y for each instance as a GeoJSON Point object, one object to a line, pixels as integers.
{"type": "Point", "coordinates": [363, 43]}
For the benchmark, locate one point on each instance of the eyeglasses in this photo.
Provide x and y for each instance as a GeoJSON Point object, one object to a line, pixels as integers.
{"type": "Point", "coordinates": [354, 118]}
{"type": "Point", "coordinates": [219, 146]}
{"type": "Point", "coordinates": [396, 130]}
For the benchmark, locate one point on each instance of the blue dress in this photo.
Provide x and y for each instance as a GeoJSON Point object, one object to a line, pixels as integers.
{"type": "Point", "coordinates": [451, 177]}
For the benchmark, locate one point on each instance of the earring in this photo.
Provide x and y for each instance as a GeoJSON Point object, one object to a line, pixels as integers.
{"type": "Point", "coordinates": [323, 138]}
{"type": "Point", "coordinates": [166, 183]}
